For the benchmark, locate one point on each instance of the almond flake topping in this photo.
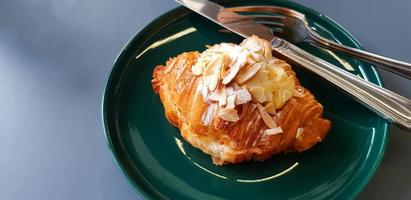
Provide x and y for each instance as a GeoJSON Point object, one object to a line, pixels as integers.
{"type": "Point", "coordinates": [299, 133]}
{"type": "Point", "coordinates": [272, 131]}
{"type": "Point", "coordinates": [242, 96]}
{"type": "Point", "coordinates": [231, 101]}
{"type": "Point", "coordinates": [228, 114]}
{"type": "Point", "coordinates": [248, 72]}
{"type": "Point", "coordinates": [268, 120]}
{"type": "Point", "coordinates": [207, 116]}
{"type": "Point", "coordinates": [233, 75]}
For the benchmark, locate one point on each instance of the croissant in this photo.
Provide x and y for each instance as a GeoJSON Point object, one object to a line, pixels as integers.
{"type": "Point", "coordinates": [238, 103]}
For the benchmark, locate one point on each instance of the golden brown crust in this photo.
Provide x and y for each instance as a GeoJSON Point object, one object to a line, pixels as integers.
{"type": "Point", "coordinates": [229, 142]}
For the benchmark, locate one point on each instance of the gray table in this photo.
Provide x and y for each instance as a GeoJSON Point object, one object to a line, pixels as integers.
{"type": "Point", "coordinates": [55, 56]}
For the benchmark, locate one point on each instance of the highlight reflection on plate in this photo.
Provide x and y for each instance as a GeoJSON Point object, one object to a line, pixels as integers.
{"type": "Point", "coordinates": [180, 145]}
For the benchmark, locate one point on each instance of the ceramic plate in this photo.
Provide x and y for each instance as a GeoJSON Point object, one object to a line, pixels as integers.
{"type": "Point", "coordinates": [159, 164]}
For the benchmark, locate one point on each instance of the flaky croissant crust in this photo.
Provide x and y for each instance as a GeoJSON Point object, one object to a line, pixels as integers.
{"type": "Point", "coordinates": [229, 142]}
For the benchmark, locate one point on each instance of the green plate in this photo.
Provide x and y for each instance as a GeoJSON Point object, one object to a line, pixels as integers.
{"type": "Point", "coordinates": [159, 164]}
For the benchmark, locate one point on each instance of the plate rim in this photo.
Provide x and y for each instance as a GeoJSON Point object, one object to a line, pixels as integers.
{"type": "Point", "coordinates": [176, 13]}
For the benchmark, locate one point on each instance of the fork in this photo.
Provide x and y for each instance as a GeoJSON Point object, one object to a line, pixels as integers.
{"type": "Point", "coordinates": [293, 26]}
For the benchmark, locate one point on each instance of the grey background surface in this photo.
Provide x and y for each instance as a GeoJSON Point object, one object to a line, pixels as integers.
{"type": "Point", "coordinates": [55, 56]}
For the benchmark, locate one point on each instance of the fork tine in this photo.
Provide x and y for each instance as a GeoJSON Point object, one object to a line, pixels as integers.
{"type": "Point", "coordinates": [275, 26]}
{"type": "Point", "coordinates": [276, 30]}
{"type": "Point", "coordinates": [269, 18]}
{"type": "Point", "coordinates": [272, 25]}
{"type": "Point", "coordinates": [268, 9]}
{"type": "Point", "coordinates": [274, 22]}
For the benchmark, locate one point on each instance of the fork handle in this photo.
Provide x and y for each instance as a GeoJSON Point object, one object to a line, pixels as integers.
{"type": "Point", "coordinates": [395, 66]}
{"type": "Point", "coordinates": [389, 105]}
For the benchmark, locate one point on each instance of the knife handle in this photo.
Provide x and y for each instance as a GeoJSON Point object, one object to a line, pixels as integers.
{"type": "Point", "coordinates": [389, 105]}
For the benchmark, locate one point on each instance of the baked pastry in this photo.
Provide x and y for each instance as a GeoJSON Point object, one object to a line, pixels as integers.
{"type": "Point", "coordinates": [239, 103]}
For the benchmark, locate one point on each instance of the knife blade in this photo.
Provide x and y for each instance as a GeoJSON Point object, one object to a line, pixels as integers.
{"type": "Point", "coordinates": [383, 102]}
{"type": "Point", "coordinates": [230, 20]}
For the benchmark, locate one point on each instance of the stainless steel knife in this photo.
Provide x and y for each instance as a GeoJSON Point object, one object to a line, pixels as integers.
{"type": "Point", "coordinates": [385, 103]}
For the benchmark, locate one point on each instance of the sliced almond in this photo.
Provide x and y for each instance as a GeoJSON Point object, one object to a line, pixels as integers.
{"type": "Point", "coordinates": [270, 108]}
{"type": "Point", "coordinates": [268, 120]}
{"type": "Point", "coordinates": [258, 46]}
{"type": "Point", "coordinates": [213, 81]}
{"type": "Point", "coordinates": [247, 73]}
{"type": "Point", "coordinates": [257, 57]}
{"type": "Point", "coordinates": [228, 114]}
{"type": "Point", "coordinates": [214, 96]}
{"type": "Point", "coordinates": [198, 67]}
{"type": "Point", "coordinates": [235, 68]}
{"type": "Point", "coordinates": [272, 131]}
{"type": "Point", "coordinates": [222, 101]}
{"type": "Point", "coordinates": [209, 67]}
{"type": "Point", "coordinates": [204, 92]}
{"type": "Point", "coordinates": [231, 74]}
{"type": "Point", "coordinates": [208, 114]}
{"type": "Point", "coordinates": [231, 101]}
{"type": "Point", "coordinates": [223, 96]}
{"type": "Point", "coordinates": [199, 85]}
{"type": "Point", "coordinates": [212, 73]}
{"type": "Point", "coordinates": [267, 50]}
{"type": "Point", "coordinates": [242, 96]}
{"type": "Point", "coordinates": [258, 94]}
{"type": "Point", "coordinates": [219, 95]}
{"type": "Point", "coordinates": [250, 59]}
{"type": "Point", "coordinates": [203, 89]}
{"type": "Point", "coordinates": [225, 66]}
{"type": "Point", "coordinates": [230, 91]}
{"type": "Point", "coordinates": [299, 133]}
{"type": "Point", "coordinates": [251, 44]}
